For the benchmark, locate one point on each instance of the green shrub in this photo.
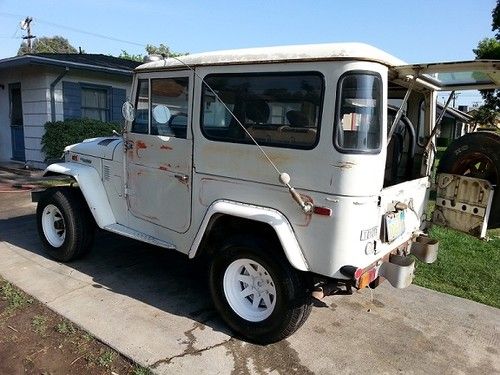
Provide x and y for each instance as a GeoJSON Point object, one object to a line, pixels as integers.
{"type": "Point", "coordinates": [60, 134]}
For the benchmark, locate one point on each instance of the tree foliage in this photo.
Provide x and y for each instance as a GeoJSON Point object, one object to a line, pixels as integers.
{"type": "Point", "coordinates": [128, 56]}
{"type": "Point", "coordinates": [484, 116]}
{"type": "Point", "coordinates": [55, 44]}
{"type": "Point", "coordinates": [489, 48]}
{"type": "Point", "coordinates": [495, 25]}
{"type": "Point", "coordinates": [151, 49]}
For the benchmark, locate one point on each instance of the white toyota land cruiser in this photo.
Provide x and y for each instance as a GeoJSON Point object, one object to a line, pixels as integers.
{"type": "Point", "coordinates": [293, 170]}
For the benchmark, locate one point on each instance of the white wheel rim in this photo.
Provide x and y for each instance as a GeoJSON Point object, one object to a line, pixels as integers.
{"type": "Point", "coordinates": [249, 290]}
{"type": "Point", "coordinates": [53, 225]}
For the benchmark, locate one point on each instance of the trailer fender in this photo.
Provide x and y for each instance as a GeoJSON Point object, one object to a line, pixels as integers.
{"type": "Point", "coordinates": [265, 215]}
{"type": "Point", "coordinates": [90, 184]}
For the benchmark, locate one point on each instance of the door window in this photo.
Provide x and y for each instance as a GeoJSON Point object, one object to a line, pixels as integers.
{"type": "Point", "coordinates": [162, 107]}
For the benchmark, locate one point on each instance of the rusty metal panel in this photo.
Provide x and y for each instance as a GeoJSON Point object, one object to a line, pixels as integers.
{"type": "Point", "coordinates": [463, 203]}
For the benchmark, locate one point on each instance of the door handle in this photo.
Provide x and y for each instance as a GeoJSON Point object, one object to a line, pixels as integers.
{"type": "Point", "coordinates": [181, 177]}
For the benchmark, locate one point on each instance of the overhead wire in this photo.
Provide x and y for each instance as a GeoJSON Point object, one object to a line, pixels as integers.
{"type": "Point", "coordinates": [97, 35]}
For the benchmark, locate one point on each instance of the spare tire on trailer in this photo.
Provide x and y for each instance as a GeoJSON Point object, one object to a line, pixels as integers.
{"type": "Point", "coordinates": [476, 155]}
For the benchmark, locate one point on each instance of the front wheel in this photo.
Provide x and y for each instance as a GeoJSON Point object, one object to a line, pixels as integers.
{"type": "Point", "coordinates": [65, 224]}
{"type": "Point", "coordinates": [257, 292]}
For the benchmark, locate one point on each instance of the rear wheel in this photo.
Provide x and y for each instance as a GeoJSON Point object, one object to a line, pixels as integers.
{"type": "Point", "coordinates": [65, 224]}
{"type": "Point", "coordinates": [257, 292]}
{"type": "Point", "coordinates": [476, 155]}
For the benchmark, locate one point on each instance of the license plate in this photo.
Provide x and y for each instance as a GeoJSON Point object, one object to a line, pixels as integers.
{"type": "Point", "coordinates": [394, 225]}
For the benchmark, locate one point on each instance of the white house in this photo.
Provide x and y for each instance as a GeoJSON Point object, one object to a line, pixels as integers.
{"type": "Point", "coordinates": [35, 89]}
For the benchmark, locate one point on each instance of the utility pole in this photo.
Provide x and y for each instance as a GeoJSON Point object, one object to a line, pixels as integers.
{"type": "Point", "coordinates": [26, 25]}
{"type": "Point", "coordinates": [455, 96]}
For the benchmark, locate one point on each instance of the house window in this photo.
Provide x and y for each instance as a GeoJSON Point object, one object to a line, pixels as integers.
{"type": "Point", "coordinates": [95, 103]}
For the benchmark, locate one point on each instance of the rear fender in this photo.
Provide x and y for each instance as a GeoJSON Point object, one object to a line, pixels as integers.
{"type": "Point", "coordinates": [273, 218]}
{"type": "Point", "coordinates": [89, 182]}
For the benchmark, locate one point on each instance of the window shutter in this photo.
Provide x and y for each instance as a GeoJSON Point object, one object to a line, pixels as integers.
{"type": "Point", "coordinates": [117, 100]}
{"type": "Point", "coordinates": [72, 100]}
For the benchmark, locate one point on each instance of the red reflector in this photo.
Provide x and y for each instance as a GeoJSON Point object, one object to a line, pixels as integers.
{"type": "Point", "coordinates": [325, 211]}
{"type": "Point", "coordinates": [358, 273]}
{"type": "Point", "coordinates": [366, 278]}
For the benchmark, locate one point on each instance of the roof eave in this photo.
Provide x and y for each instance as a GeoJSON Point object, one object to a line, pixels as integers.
{"type": "Point", "coordinates": [37, 60]}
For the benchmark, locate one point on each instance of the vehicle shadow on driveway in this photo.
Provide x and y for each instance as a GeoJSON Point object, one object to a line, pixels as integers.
{"type": "Point", "coordinates": [161, 278]}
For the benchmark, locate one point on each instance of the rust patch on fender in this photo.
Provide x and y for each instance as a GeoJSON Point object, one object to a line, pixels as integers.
{"type": "Point", "coordinates": [166, 148]}
{"type": "Point", "coordinates": [140, 145]}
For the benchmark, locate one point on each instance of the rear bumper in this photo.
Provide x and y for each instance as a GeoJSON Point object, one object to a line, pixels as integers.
{"type": "Point", "coordinates": [398, 268]}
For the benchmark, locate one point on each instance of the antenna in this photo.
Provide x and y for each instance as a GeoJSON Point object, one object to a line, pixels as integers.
{"type": "Point", "coordinates": [26, 25]}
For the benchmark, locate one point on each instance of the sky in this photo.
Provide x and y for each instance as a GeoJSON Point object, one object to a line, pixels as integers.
{"type": "Point", "coordinates": [415, 31]}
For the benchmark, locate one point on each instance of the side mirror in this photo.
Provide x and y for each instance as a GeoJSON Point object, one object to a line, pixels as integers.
{"type": "Point", "coordinates": [128, 111]}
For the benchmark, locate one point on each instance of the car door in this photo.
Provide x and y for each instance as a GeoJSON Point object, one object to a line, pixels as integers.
{"type": "Point", "coordinates": [159, 150]}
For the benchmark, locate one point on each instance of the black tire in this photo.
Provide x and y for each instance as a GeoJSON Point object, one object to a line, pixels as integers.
{"type": "Point", "coordinates": [476, 155]}
{"type": "Point", "coordinates": [292, 301]}
{"type": "Point", "coordinates": [74, 219]}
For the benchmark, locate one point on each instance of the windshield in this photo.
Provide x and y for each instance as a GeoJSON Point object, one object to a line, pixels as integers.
{"type": "Point", "coordinates": [359, 116]}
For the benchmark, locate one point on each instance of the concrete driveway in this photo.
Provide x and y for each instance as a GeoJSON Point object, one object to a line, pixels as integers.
{"type": "Point", "coordinates": [153, 306]}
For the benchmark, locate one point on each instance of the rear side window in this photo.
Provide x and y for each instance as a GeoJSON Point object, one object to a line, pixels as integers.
{"type": "Point", "coordinates": [358, 125]}
{"type": "Point", "coordinates": [281, 109]}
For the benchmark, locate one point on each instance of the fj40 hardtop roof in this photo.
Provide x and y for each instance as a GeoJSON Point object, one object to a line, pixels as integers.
{"type": "Point", "coordinates": [441, 76]}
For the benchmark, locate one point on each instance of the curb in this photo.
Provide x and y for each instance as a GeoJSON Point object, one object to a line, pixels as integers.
{"type": "Point", "coordinates": [18, 171]}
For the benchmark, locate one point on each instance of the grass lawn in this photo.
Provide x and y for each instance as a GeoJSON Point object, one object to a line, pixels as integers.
{"type": "Point", "coordinates": [466, 267]}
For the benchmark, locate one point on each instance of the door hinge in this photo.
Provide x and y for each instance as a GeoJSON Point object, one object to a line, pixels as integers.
{"type": "Point", "coordinates": [128, 145]}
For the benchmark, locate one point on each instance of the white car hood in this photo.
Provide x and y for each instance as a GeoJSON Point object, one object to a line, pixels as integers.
{"type": "Point", "coordinates": [102, 147]}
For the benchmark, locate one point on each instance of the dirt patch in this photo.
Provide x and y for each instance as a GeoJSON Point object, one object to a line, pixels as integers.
{"type": "Point", "coordinates": [35, 340]}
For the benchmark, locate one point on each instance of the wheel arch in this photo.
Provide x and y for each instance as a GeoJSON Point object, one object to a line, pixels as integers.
{"type": "Point", "coordinates": [90, 184]}
{"type": "Point", "coordinates": [270, 221]}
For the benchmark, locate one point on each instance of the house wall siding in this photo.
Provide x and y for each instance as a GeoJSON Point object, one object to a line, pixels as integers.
{"type": "Point", "coordinates": [36, 111]}
{"type": "Point", "coordinates": [35, 92]}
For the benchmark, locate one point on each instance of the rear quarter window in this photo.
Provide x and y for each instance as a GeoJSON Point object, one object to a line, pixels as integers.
{"type": "Point", "coordinates": [276, 109]}
{"type": "Point", "coordinates": [358, 120]}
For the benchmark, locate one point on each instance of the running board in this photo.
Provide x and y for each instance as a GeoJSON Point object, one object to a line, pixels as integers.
{"type": "Point", "coordinates": [136, 235]}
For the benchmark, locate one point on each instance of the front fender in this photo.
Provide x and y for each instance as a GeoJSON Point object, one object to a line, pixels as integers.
{"type": "Point", "coordinates": [90, 184]}
{"type": "Point", "coordinates": [266, 215]}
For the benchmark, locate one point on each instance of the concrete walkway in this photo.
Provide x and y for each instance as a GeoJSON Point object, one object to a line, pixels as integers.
{"type": "Point", "coordinates": [153, 306]}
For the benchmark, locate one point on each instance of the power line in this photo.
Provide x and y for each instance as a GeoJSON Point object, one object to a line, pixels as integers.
{"type": "Point", "coordinates": [74, 29]}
